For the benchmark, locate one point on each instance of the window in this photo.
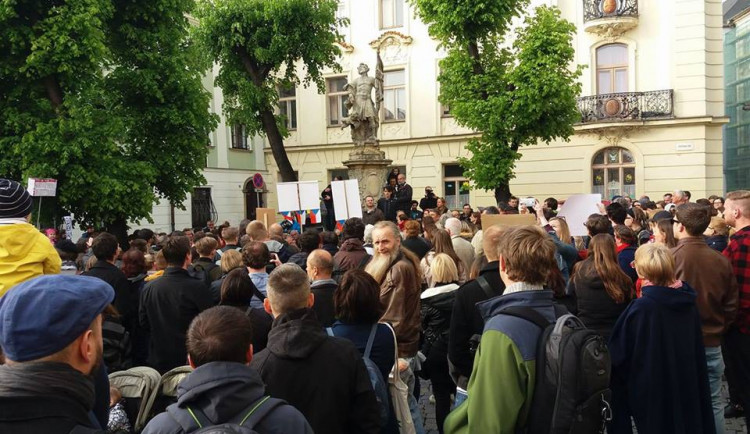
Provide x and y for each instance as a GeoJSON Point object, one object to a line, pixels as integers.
{"type": "Point", "coordinates": [394, 96]}
{"type": "Point", "coordinates": [202, 207]}
{"type": "Point", "coordinates": [340, 15]}
{"type": "Point", "coordinates": [455, 186]}
{"type": "Point", "coordinates": [288, 105]}
{"type": "Point", "coordinates": [391, 13]}
{"type": "Point", "coordinates": [612, 69]}
{"type": "Point", "coordinates": [337, 97]}
{"type": "Point", "coordinates": [445, 111]}
{"type": "Point", "coordinates": [614, 173]}
{"type": "Point", "coordinates": [239, 137]}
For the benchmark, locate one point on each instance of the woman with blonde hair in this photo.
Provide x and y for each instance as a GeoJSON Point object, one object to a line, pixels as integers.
{"type": "Point", "coordinates": [561, 229]}
{"type": "Point", "coordinates": [717, 234]}
{"type": "Point", "coordinates": [230, 260]}
{"type": "Point", "coordinates": [601, 289]}
{"type": "Point", "coordinates": [436, 309]}
{"type": "Point", "coordinates": [657, 352]}
{"type": "Point", "coordinates": [441, 243]}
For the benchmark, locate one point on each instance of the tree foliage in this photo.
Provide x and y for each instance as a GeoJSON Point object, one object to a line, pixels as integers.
{"type": "Point", "coordinates": [105, 96]}
{"type": "Point", "coordinates": [258, 45]}
{"type": "Point", "coordinates": [515, 93]}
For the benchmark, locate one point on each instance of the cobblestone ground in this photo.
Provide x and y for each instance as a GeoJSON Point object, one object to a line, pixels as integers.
{"type": "Point", "coordinates": [733, 426]}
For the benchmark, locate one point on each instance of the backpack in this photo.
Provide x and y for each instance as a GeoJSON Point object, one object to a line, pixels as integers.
{"type": "Point", "coordinates": [571, 392]}
{"type": "Point", "coordinates": [376, 377]}
{"type": "Point", "coordinates": [166, 392]}
{"type": "Point", "coordinates": [209, 275]}
{"type": "Point", "coordinates": [194, 420]}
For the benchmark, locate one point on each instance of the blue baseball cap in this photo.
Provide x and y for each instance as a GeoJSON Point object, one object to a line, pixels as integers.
{"type": "Point", "coordinates": [42, 316]}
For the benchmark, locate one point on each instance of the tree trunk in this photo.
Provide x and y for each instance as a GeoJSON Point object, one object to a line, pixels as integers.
{"type": "Point", "coordinates": [119, 228]}
{"type": "Point", "coordinates": [54, 92]}
{"type": "Point", "coordinates": [277, 146]}
{"type": "Point", "coordinates": [502, 193]}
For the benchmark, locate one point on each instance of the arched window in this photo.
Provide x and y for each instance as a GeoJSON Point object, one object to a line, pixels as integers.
{"type": "Point", "coordinates": [613, 173]}
{"type": "Point", "coordinates": [612, 69]}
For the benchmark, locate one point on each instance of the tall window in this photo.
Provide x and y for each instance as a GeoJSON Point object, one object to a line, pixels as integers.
{"type": "Point", "coordinates": [455, 186]}
{"type": "Point", "coordinates": [288, 105]}
{"type": "Point", "coordinates": [614, 173]}
{"type": "Point", "coordinates": [391, 13]}
{"type": "Point", "coordinates": [394, 96]}
{"type": "Point", "coordinates": [202, 207]}
{"type": "Point", "coordinates": [612, 68]}
{"type": "Point", "coordinates": [336, 98]}
{"type": "Point", "coordinates": [239, 137]}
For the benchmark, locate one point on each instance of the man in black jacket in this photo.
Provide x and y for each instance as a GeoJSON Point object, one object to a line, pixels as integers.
{"type": "Point", "coordinates": [403, 194]}
{"type": "Point", "coordinates": [387, 204]}
{"type": "Point", "coordinates": [323, 377]}
{"type": "Point", "coordinates": [51, 333]}
{"type": "Point", "coordinates": [169, 304]}
{"type": "Point", "coordinates": [429, 201]}
{"type": "Point", "coordinates": [320, 269]}
{"type": "Point", "coordinates": [223, 387]}
{"type": "Point", "coordinates": [466, 320]}
{"type": "Point", "coordinates": [106, 250]}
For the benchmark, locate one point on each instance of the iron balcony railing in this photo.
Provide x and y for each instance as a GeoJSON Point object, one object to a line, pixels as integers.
{"type": "Point", "coordinates": [598, 9]}
{"type": "Point", "coordinates": [657, 104]}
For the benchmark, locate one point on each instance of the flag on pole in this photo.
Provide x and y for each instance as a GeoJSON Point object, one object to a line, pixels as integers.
{"type": "Point", "coordinates": [314, 215]}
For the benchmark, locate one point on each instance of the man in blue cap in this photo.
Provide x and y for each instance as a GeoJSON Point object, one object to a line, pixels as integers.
{"type": "Point", "coordinates": [51, 334]}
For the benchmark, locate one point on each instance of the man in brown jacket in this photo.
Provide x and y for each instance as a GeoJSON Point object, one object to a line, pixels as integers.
{"type": "Point", "coordinates": [397, 271]}
{"type": "Point", "coordinates": [712, 277]}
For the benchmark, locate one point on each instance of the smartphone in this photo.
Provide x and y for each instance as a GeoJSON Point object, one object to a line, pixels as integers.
{"type": "Point", "coordinates": [528, 202]}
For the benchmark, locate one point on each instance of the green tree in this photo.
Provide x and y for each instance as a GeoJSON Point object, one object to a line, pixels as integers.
{"type": "Point", "coordinates": [105, 96]}
{"type": "Point", "coordinates": [259, 46]}
{"type": "Point", "coordinates": [514, 93]}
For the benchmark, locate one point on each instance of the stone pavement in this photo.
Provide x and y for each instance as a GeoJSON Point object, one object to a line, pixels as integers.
{"type": "Point", "coordinates": [733, 426]}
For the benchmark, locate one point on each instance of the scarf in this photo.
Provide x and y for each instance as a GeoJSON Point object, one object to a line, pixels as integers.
{"type": "Point", "coordinates": [47, 379]}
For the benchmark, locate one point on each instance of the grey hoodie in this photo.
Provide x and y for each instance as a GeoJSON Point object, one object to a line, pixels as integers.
{"type": "Point", "coordinates": [222, 390]}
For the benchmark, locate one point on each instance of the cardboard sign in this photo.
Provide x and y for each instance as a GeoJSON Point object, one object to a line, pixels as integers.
{"type": "Point", "coordinates": [297, 196]}
{"type": "Point", "coordinates": [577, 209]}
{"type": "Point", "coordinates": [346, 200]}
{"type": "Point", "coordinates": [42, 187]}
{"type": "Point", "coordinates": [265, 215]}
{"type": "Point", "coordinates": [508, 220]}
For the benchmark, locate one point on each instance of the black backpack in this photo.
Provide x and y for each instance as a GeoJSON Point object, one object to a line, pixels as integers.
{"type": "Point", "coordinates": [193, 420]}
{"type": "Point", "coordinates": [206, 272]}
{"type": "Point", "coordinates": [571, 392]}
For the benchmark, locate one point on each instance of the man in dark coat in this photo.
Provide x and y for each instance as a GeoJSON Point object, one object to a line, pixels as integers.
{"type": "Point", "coordinates": [169, 304]}
{"type": "Point", "coordinates": [323, 377]}
{"type": "Point", "coordinates": [429, 201]}
{"type": "Point", "coordinates": [387, 204]}
{"type": "Point", "coordinates": [106, 250]}
{"type": "Point", "coordinates": [352, 253]}
{"type": "Point", "coordinates": [466, 321]}
{"type": "Point", "coordinates": [223, 386]}
{"type": "Point", "coordinates": [320, 269]}
{"type": "Point", "coordinates": [51, 334]}
{"type": "Point", "coordinates": [404, 193]}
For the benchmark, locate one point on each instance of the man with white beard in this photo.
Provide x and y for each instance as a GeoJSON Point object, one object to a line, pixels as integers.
{"type": "Point", "coordinates": [397, 271]}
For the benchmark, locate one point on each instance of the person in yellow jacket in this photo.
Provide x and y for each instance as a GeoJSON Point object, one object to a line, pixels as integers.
{"type": "Point", "coordinates": [24, 251]}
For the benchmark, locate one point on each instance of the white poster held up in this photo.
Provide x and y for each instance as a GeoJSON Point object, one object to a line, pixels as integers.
{"type": "Point", "coordinates": [42, 187]}
{"type": "Point", "coordinates": [577, 209]}
{"type": "Point", "coordinates": [346, 200]}
{"type": "Point", "coordinates": [298, 196]}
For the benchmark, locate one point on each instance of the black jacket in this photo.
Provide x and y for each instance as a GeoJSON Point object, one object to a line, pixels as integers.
{"type": "Point", "coordinates": [595, 307]}
{"type": "Point", "coordinates": [403, 197]}
{"type": "Point", "coordinates": [436, 309]}
{"type": "Point", "coordinates": [717, 242]}
{"type": "Point", "coordinates": [417, 245]}
{"type": "Point", "coordinates": [168, 305]}
{"type": "Point", "coordinates": [323, 377]}
{"type": "Point", "coordinates": [388, 207]}
{"type": "Point", "coordinates": [323, 306]}
{"type": "Point", "coordinates": [428, 202]}
{"type": "Point", "coordinates": [223, 390]}
{"type": "Point", "coordinates": [208, 266]}
{"type": "Point", "coordinates": [299, 259]}
{"type": "Point", "coordinates": [126, 298]}
{"type": "Point", "coordinates": [466, 321]}
{"type": "Point", "coordinates": [372, 217]}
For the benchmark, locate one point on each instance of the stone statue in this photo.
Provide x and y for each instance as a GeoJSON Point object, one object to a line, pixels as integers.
{"type": "Point", "coordinates": [363, 112]}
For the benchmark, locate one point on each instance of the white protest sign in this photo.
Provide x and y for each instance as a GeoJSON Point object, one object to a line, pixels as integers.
{"type": "Point", "coordinates": [346, 200]}
{"type": "Point", "coordinates": [298, 196]}
{"type": "Point", "coordinates": [577, 209]}
{"type": "Point", "coordinates": [309, 195]}
{"type": "Point", "coordinates": [69, 226]}
{"type": "Point", "coordinates": [42, 187]}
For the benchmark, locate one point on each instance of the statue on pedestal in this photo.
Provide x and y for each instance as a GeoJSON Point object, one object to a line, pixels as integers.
{"type": "Point", "coordinates": [364, 118]}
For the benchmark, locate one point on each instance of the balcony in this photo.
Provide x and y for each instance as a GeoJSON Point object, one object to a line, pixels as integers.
{"type": "Point", "coordinates": [627, 106]}
{"type": "Point", "coordinates": [610, 18]}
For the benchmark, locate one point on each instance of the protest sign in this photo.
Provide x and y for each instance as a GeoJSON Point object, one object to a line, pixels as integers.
{"type": "Point", "coordinates": [576, 210]}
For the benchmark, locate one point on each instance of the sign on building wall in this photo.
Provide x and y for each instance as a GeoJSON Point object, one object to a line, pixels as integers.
{"type": "Point", "coordinates": [42, 187]}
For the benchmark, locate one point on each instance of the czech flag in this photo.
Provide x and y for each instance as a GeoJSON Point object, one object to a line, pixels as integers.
{"type": "Point", "coordinates": [340, 225]}
{"type": "Point", "coordinates": [314, 215]}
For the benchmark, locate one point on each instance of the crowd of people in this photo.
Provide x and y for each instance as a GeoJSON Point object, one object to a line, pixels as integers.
{"type": "Point", "coordinates": [332, 331]}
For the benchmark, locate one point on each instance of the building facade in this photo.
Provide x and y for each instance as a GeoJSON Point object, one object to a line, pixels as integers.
{"type": "Point", "coordinates": [737, 96]}
{"type": "Point", "coordinates": [652, 107]}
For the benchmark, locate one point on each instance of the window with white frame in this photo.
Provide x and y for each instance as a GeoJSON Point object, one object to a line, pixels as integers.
{"type": "Point", "coordinates": [288, 105]}
{"type": "Point", "coordinates": [394, 96]}
{"type": "Point", "coordinates": [239, 136]}
{"type": "Point", "coordinates": [613, 173]}
{"type": "Point", "coordinates": [455, 186]}
{"type": "Point", "coordinates": [391, 13]}
{"type": "Point", "coordinates": [337, 97]}
{"type": "Point", "coordinates": [612, 69]}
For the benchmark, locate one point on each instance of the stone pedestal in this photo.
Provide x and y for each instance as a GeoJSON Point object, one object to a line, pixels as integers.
{"type": "Point", "coordinates": [368, 165]}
